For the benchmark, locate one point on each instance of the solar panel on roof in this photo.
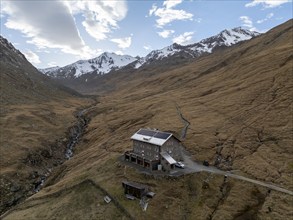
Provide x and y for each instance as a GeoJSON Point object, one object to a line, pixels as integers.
{"type": "Point", "coordinates": [146, 132]}
{"type": "Point", "coordinates": [162, 135]}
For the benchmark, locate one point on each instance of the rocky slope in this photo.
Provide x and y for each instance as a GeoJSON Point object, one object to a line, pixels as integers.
{"type": "Point", "coordinates": [21, 82]}
{"type": "Point", "coordinates": [108, 62]}
{"type": "Point", "coordinates": [239, 107]}
{"type": "Point", "coordinates": [35, 114]}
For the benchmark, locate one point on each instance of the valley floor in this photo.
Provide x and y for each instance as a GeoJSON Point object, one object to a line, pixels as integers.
{"type": "Point", "coordinates": [239, 105]}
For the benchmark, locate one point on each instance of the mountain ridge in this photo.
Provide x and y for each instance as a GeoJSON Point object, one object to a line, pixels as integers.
{"type": "Point", "coordinates": [108, 62]}
{"type": "Point", "coordinates": [21, 82]}
{"type": "Point", "coordinates": [102, 64]}
{"type": "Point", "coordinates": [238, 102]}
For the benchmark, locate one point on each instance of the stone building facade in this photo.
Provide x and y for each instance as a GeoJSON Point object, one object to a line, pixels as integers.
{"type": "Point", "coordinates": [154, 149]}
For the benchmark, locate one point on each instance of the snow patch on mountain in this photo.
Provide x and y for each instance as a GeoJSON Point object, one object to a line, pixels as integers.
{"type": "Point", "coordinates": [159, 54]}
{"type": "Point", "coordinates": [102, 64]}
{"type": "Point", "coordinates": [49, 69]}
{"type": "Point", "coordinates": [107, 62]}
{"type": "Point", "coordinates": [165, 52]}
{"type": "Point", "coordinates": [224, 38]}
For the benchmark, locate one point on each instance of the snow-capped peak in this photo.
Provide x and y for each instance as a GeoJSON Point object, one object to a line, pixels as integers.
{"type": "Point", "coordinates": [49, 69]}
{"type": "Point", "coordinates": [101, 65]}
{"type": "Point", "coordinates": [224, 38]}
{"type": "Point", "coordinates": [159, 54]}
{"type": "Point", "coordinates": [107, 62]}
{"type": "Point", "coordinates": [165, 52]}
{"type": "Point", "coordinates": [235, 35]}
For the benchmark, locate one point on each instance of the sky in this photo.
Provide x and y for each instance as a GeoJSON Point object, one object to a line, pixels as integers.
{"type": "Point", "coordinates": [58, 33]}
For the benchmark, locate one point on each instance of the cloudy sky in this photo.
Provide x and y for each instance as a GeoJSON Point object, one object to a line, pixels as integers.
{"type": "Point", "coordinates": [55, 32]}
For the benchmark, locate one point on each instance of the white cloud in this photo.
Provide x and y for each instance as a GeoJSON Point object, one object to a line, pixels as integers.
{"type": "Point", "coordinates": [119, 52]}
{"type": "Point", "coordinates": [52, 64]}
{"type": "Point", "coordinates": [167, 13]}
{"type": "Point", "coordinates": [269, 16]}
{"type": "Point", "coordinates": [184, 38]}
{"type": "Point", "coordinates": [267, 3]}
{"type": "Point", "coordinates": [153, 9]}
{"type": "Point", "coordinates": [171, 3]}
{"type": "Point", "coordinates": [247, 22]}
{"type": "Point", "coordinates": [51, 25]}
{"type": "Point", "coordinates": [100, 17]}
{"type": "Point", "coordinates": [198, 20]}
{"type": "Point", "coordinates": [122, 42]}
{"type": "Point", "coordinates": [166, 33]}
{"type": "Point", "coordinates": [32, 57]}
{"type": "Point", "coordinates": [147, 47]}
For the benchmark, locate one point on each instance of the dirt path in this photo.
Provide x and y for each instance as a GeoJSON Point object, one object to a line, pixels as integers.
{"type": "Point", "coordinates": [193, 167]}
{"type": "Point", "coordinates": [185, 122]}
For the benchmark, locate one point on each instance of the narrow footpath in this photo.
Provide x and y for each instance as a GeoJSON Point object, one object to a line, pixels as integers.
{"type": "Point", "coordinates": [194, 167]}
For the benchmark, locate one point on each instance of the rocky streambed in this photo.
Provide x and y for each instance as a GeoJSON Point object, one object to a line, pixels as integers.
{"type": "Point", "coordinates": [40, 164]}
{"type": "Point", "coordinates": [75, 133]}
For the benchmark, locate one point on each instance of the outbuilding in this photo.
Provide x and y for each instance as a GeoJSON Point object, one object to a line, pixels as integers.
{"type": "Point", "coordinates": [134, 189]}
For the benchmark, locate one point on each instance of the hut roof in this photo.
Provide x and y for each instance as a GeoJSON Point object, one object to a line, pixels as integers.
{"type": "Point", "coordinates": [134, 185]}
{"type": "Point", "coordinates": [152, 136]}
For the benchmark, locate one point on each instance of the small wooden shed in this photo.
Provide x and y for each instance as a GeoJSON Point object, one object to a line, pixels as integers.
{"type": "Point", "coordinates": [135, 189]}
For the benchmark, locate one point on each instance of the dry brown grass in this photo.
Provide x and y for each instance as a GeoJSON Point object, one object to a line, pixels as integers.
{"type": "Point", "coordinates": [26, 128]}
{"type": "Point", "coordinates": [83, 201]}
{"type": "Point", "coordinates": [29, 130]}
{"type": "Point", "coordinates": [239, 104]}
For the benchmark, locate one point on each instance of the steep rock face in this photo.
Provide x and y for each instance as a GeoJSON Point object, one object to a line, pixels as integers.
{"type": "Point", "coordinates": [108, 62]}
{"type": "Point", "coordinates": [21, 82]}
{"type": "Point", "coordinates": [9, 54]}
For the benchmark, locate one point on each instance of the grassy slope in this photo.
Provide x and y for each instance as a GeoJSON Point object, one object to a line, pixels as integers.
{"type": "Point", "coordinates": [35, 112]}
{"type": "Point", "coordinates": [239, 104]}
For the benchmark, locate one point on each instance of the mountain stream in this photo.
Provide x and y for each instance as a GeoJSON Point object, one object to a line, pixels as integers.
{"type": "Point", "coordinates": [44, 161]}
